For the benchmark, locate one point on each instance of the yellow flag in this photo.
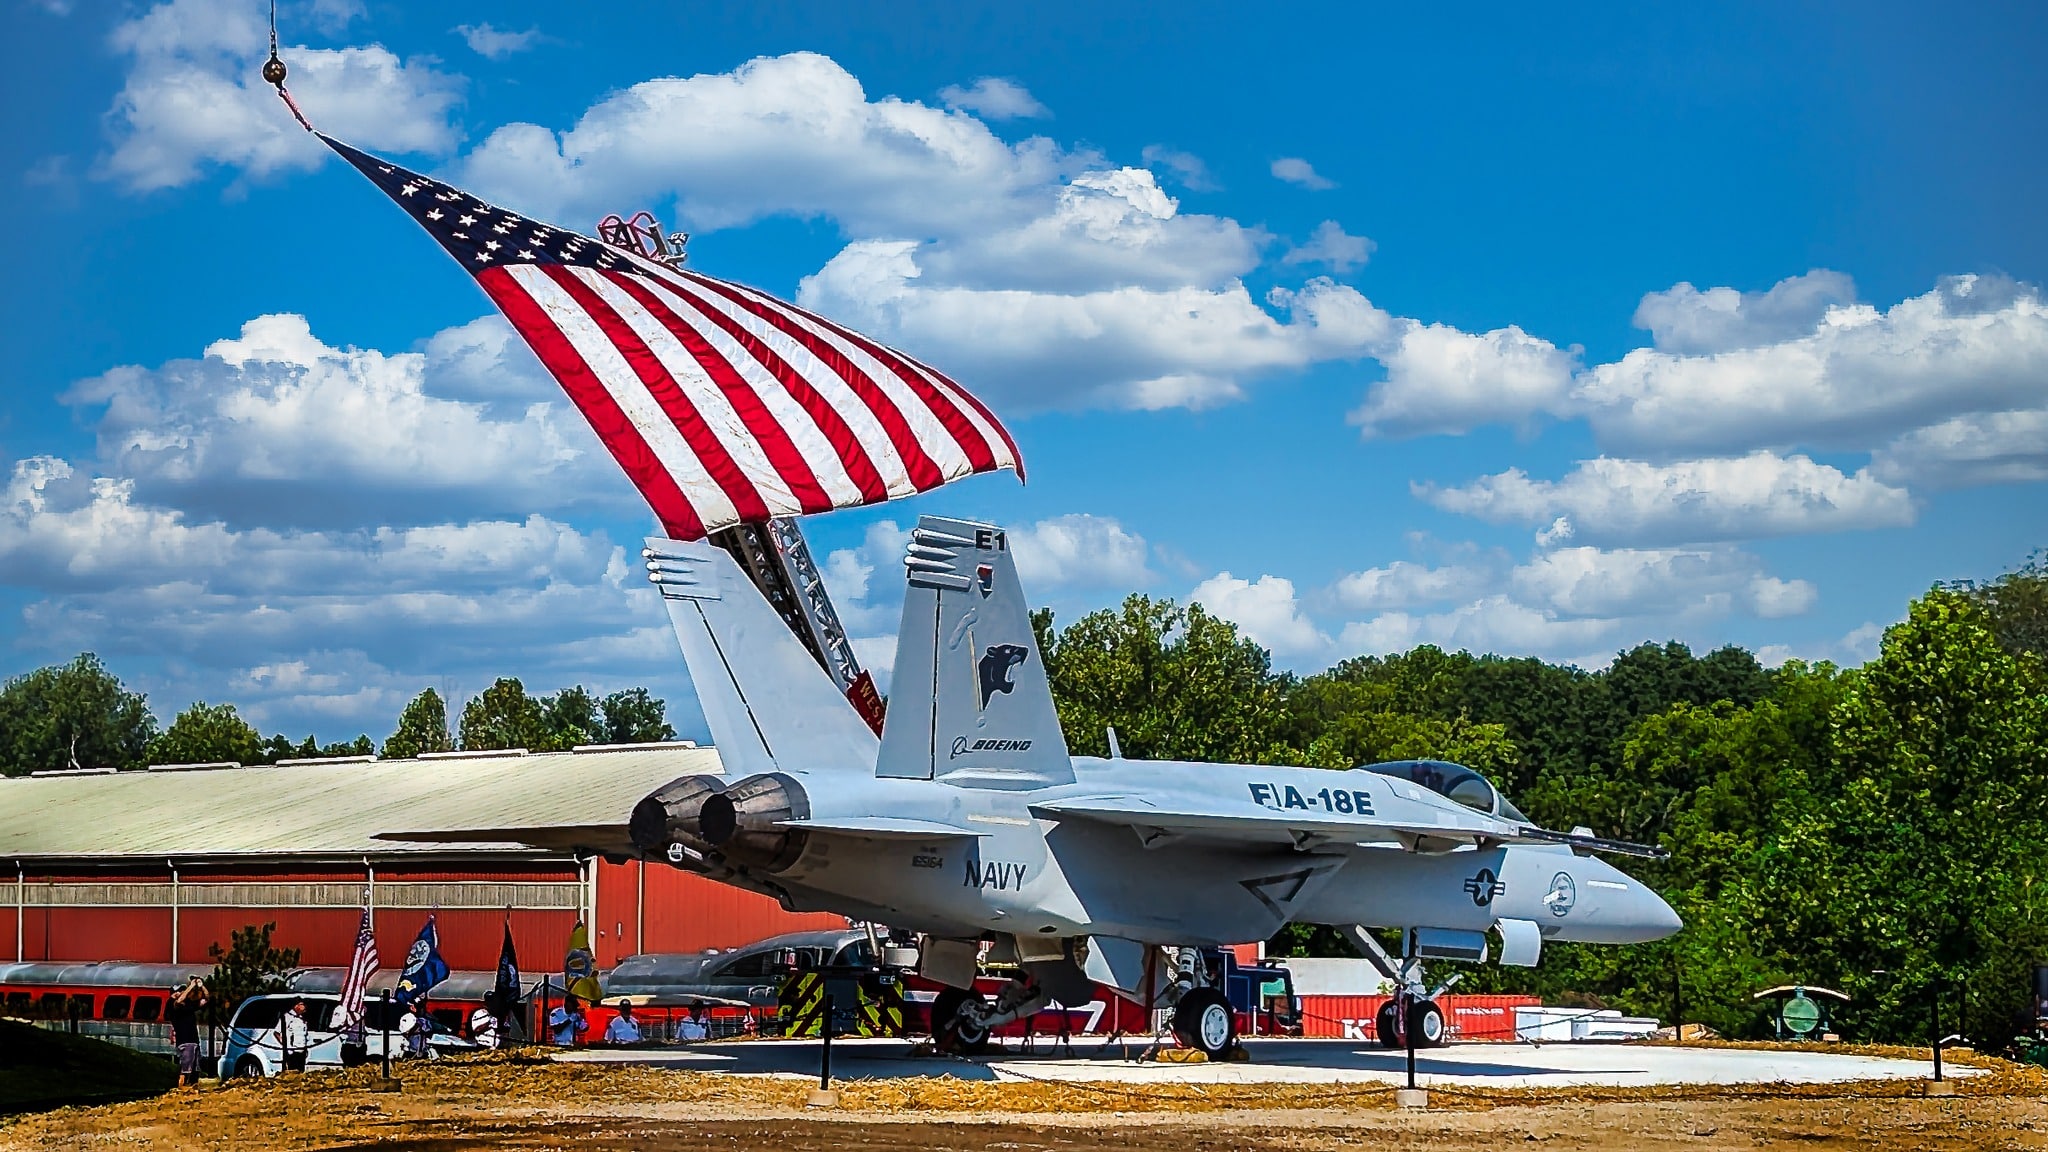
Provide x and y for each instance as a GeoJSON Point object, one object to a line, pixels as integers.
{"type": "Point", "coordinates": [579, 967]}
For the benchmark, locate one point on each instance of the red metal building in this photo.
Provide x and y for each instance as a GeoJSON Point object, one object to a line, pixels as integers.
{"type": "Point", "coordinates": [158, 866]}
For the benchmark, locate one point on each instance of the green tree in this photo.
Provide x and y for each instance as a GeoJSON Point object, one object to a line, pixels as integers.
{"type": "Point", "coordinates": [248, 966]}
{"type": "Point", "coordinates": [504, 716]}
{"type": "Point", "coordinates": [1176, 682]}
{"type": "Point", "coordinates": [205, 733]}
{"type": "Point", "coordinates": [570, 717]}
{"type": "Point", "coordinates": [2016, 605]}
{"type": "Point", "coordinates": [280, 747]}
{"type": "Point", "coordinates": [634, 716]}
{"type": "Point", "coordinates": [74, 715]}
{"type": "Point", "coordinates": [422, 727]}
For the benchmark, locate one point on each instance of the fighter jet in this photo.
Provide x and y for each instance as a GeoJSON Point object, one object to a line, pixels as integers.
{"type": "Point", "coordinates": [970, 824]}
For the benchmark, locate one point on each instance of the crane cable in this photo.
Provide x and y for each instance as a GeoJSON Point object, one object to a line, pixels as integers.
{"type": "Point", "coordinates": [274, 73]}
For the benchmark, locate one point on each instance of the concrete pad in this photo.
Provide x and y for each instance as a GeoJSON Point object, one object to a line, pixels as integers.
{"type": "Point", "coordinates": [1294, 1062]}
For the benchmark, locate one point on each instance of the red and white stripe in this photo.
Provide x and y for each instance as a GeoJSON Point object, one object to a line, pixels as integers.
{"type": "Point", "coordinates": [725, 405]}
{"type": "Point", "coordinates": [355, 988]}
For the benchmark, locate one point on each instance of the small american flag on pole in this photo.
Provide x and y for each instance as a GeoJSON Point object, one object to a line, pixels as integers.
{"type": "Point", "coordinates": [355, 989]}
{"type": "Point", "coordinates": [723, 404]}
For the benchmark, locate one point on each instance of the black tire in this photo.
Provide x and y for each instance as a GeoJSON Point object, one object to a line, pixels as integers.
{"type": "Point", "coordinates": [1387, 1025]}
{"type": "Point", "coordinates": [947, 1033]}
{"type": "Point", "coordinates": [1427, 1022]}
{"type": "Point", "coordinates": [1203, 1020]}
{"type": "Point", "coordinates": [249, 1068]}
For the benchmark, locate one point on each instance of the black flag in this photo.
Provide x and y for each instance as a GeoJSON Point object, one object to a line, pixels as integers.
{"type": "Point", "coordinates": [505, 994]}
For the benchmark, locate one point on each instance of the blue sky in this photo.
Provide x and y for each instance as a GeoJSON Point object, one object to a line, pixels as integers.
{"type": "Point", "coordinates": [1499, 330]}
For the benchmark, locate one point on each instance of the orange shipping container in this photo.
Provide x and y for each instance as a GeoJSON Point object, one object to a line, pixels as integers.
{"type": "Point", "coordinates": [1467, 1017]}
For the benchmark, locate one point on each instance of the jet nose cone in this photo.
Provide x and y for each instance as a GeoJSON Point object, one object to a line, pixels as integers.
{"type": "Point", "coordinates": [1660, 917]}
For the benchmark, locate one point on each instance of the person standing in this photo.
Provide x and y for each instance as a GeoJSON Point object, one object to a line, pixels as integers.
{"type": "Point", "coordinates": [623, 1029]}
{"type": "Point", "coordinates": [294, 1037]}
{"type": "Point", "coordinates": [567, 1022]}
{"type": "Point", "coordinates": [183, 1015]}
{"type": "Point", "coordinates": [483, 1024]}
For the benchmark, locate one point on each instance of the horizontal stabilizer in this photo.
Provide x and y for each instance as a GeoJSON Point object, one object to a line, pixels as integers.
{"type": "Point", "coordinates": [881, 827]}
{"type": "Point", "coordinates": [769, 705]}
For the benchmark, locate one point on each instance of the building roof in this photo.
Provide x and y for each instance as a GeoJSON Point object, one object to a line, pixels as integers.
{"type": "Point", "coordinates": [326, 810]}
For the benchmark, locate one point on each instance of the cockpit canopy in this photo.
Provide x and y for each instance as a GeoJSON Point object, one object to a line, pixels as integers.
{"type": "Point", "coordinates": [1455, 782]}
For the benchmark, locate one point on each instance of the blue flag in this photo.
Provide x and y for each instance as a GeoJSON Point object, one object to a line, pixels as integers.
{"type": "Point", "coordinates": [424, 967]}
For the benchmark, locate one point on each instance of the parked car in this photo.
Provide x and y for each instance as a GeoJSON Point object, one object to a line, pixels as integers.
{"type": "Point", "coordinates": [254, 1038]}
{"type": "Point", "coordinates": [751, 975]}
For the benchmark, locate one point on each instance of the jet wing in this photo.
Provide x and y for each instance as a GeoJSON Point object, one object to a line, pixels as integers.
{"type": "Point", "coordinates": [881, 827]}
{"type": "Point", "coordinates": [574, 839]}
{"type": "Point", "coordinates": [1194, 817]}
{"type": "Point", "coordinates": [1443, 830]}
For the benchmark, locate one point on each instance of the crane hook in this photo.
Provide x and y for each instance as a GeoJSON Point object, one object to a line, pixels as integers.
{"type": "Point", "coordinates": [274, 73]}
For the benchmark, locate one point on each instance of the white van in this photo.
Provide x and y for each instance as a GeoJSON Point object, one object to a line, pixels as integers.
{"type": "Point", "coordinates": [255, 1040]}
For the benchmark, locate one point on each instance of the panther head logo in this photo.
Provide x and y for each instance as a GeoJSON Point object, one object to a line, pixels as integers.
{"type": "Point", "coordinates": [996, 665]}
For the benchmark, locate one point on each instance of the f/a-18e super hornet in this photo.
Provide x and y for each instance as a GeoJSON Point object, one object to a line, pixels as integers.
{"type": "Point", "coordinates": [969, 824]}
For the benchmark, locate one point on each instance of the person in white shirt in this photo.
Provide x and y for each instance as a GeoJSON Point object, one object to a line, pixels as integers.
{"type": "Point", "coordinates": [567, 1022]}
{"type": "Point", "coordinates": [483, 1027]}
{"type": "Point", "coordinates": [623, 1029]}
{"type": "Point", "coordinates": [294, 1037]}
{"type": "Point", "coordinates": [693, 1026]}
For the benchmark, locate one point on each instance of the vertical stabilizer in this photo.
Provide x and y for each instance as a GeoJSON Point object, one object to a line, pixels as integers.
{"type": "Point", "coordinates": [969, 698]}
{"type": "Point", "coordinates": [770, 706]}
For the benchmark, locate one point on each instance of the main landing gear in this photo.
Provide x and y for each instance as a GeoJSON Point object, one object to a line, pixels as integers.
{"type": "Point", "coordinates": [962, 1020]}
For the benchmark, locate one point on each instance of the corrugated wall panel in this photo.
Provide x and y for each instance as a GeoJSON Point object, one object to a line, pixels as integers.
{"type": "Point", "coordinates": [323, 936]}
{"type": "Point", "coordinates": [616, 933]}
{"type": "Point", "coordinates": [687, 913]}
{"type": "Point", "coordinates": [83, 934]}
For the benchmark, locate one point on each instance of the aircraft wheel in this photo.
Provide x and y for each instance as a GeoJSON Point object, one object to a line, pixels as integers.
{"type": "Point", "coordinates": [1203, 1020]}
{"type": "Point", "coordinates": [1428, 1022]}
{"type": "Point", "coordinates": [1387, 1025]}
{"type": "Point", "coordinates": [949, 1034]}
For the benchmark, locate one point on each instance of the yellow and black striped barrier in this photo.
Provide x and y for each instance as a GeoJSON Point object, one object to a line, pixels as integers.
{"type": "Point", "coordinates": [863, 1004]}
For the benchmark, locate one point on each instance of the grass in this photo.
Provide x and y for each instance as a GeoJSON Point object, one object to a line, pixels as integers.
{"type": "Point", "coordinates": [41, 1069]}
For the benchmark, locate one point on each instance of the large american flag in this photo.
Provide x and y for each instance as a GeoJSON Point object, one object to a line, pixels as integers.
{"type": "Point", "coordinates": [355, 989]}
{"type": "Point", "coordinates": [724, 405]}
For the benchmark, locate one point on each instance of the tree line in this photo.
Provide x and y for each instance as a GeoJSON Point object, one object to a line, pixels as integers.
{"type": "Point", "coordinates": [80, 715]}
{"type": "Point", "coordinates": [1881, 830]}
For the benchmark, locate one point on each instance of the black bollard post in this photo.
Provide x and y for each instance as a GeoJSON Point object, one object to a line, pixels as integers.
{"type": "Point", "coordinates": [386, 1029]}
{"type": "Point", "coordinates": [1408, 1034]}
{"type": "Point", "coordinates": [1936, 1009]}
{"type": "Point", "coordinates": [825, 1059]}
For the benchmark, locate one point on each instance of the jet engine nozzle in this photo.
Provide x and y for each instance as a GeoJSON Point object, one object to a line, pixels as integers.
{"type": "Point", "coordinates": [741, 821]}
{"type": "Point", "coordinates": [672, 815]}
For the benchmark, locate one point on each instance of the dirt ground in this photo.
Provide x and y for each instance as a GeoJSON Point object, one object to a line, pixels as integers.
{"type": "Point", "coordinates": [507, 1104]}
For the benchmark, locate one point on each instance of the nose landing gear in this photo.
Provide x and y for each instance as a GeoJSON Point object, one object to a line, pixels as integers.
{"type": "Point", "coordinates": [1204, 1021]}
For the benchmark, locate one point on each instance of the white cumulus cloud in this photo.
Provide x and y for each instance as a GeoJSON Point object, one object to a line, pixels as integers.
{"type": "Point", "coordinates": [495, 43]}
{"type": "Point", "coordinates": [1295, 170]}
{"type": "Point", "coordinates": [1852, 378]}
{"type": "Point", "coordinates": [274, 425]}
{"type": "Point", "coordinates": [1442, 379]}
{"type": "Point", "coordinates": [1607, 500]}
{"type": "Point", "coordinates": [994, 98]}
{"type": "Point", "coordinates": [1331, 246]}
{"type": "Point", "coordinates": [1266, 610]}
{"type": "Point", "coordinates": [192, 98]}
